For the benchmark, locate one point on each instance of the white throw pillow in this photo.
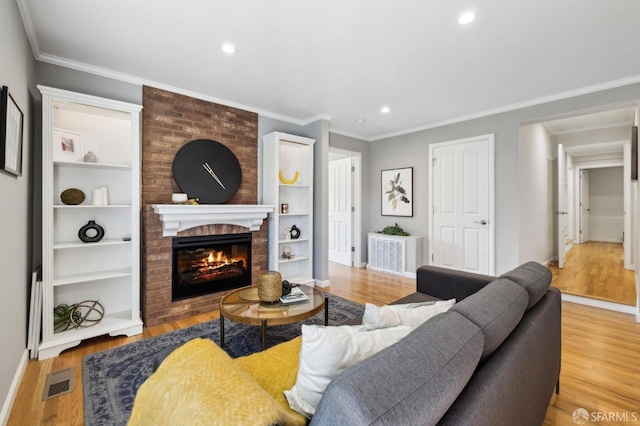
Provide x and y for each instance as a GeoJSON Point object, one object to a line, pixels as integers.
{"type": "Point", "coordinates": [410, 314]}
{"type": "Point", "coordinates": [327, 352]}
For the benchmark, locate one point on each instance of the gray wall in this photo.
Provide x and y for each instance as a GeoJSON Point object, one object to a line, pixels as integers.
{"type": "Point", "coordinates": [90, 84]}
{"type": "Point", "coordinates": [17, 73]}
{"type": "Point", "coordinates": [412, 151]}
{"type": "Point", "coordinates": [535, 203]}
{"type": "Point", "coordinates": [606, 201]}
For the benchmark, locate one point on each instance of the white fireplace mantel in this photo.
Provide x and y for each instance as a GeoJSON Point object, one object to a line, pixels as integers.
{"type": "Point", "coordinates": [178, 217]}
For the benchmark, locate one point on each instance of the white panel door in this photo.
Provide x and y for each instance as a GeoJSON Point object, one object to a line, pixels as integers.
{"type": "Point", "coordinates": [461, 205]}
{"type": "Point", "coordinates": [340, 204]}
{"type": "Point", "coordinates": [584, 206]}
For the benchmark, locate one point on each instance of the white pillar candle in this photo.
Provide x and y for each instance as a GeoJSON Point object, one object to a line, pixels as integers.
{"type": "Point", "coordinates": [96, 197]}
{"type": "Point", "coordinates": [105, 195]}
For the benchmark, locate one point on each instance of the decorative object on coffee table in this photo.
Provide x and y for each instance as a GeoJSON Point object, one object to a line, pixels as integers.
{"type": "Point", "coordinates": [72, 196]}
{"type": "Point", "coordinates": [270, 286]}
{"type": "Point", "coordinates": [91, 232]}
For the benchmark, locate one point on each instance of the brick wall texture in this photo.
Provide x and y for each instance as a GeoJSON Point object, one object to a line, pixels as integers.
{"type": "Point", "coordinates": [169, 121]}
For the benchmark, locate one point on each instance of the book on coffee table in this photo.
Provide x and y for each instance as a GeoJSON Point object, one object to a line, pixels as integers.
{"type": "Point", "coordinates": [295, 296]}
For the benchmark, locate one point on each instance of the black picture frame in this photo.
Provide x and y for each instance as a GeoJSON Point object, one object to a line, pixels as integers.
{"type": "Point", "coordinates": [11, 134]}
{"type": "Point", "coordinates": [634, 153]}
{"type": "Point", "coordinates": [397, 192]}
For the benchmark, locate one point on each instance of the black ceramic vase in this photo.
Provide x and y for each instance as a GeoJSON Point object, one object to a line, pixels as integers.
{"type": "Point", "coordinates": [85, 232]}
{"type": "Point", "coordinates": [295, 232]}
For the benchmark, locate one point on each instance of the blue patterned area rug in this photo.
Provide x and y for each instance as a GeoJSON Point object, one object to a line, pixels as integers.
{"type": "Point", "coordinates": [111, 378]}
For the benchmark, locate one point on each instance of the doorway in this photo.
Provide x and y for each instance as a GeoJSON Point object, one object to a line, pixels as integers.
{"type": "Point", "coordinates": [344, 245]}
{"type": "Point", "coordinates": [592, 212]}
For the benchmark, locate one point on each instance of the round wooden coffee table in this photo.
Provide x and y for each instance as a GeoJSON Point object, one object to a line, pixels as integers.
{"type": "Point", "coordinates": [244, 306]}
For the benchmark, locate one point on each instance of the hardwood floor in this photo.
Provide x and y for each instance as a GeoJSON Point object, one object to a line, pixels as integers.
{"type": "Point", "coordinates": [600, 372]}
{"type": "Point", "coordinates": [596, 270]}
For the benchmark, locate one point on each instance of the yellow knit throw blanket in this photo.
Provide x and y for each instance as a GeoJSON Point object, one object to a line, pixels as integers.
{"type": "Point", "coordinates": [199, 384]}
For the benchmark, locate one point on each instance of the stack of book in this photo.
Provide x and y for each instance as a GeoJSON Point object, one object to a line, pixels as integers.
{"type": "Point", "coordinates": [295, 296]}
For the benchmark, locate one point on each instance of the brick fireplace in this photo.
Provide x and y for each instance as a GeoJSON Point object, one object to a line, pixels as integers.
{"type": "Point", "coordinates": [171, 120]}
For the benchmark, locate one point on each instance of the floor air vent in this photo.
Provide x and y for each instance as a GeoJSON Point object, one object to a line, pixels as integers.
{"type": "Point", "coordinates": [59, 383]}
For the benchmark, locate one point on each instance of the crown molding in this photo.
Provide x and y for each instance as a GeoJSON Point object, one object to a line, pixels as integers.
{"type": "Point", "coordinates": [315, 118]}
{"type": "Point", "coordinates": [25, 12]}
{"type": "Point", "coordinates": [349, 134]}
{"type": "Point", "coordinates": [507, 108]}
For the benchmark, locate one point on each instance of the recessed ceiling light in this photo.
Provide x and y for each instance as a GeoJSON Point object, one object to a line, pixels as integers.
{"type": "Point", "coordinates": [228, 48]}
{"type": "Point", "coordinates": [361, 120]}
{"type": "Point", "coordinates": [385, 109]}
{"type": "Point", "coordinates": [466, 18]}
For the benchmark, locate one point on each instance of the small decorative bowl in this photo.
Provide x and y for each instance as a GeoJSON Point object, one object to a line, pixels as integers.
{"type": "Point", "coordinates": [72, 196]}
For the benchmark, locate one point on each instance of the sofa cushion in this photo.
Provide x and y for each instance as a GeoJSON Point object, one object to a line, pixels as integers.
{"type": "Point", "coordinates": [411, 314]}
{"type": "Point", "coordinates": [327, 352]}
{"type": "Point", "coordinates": [411, 382]}
{"type": "Point", "coordinates": [534, 277]}
{"type": "Point", "coordinates": [496, 309]}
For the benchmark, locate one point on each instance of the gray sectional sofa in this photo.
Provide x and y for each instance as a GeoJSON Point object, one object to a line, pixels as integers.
{"type": "Point", "coordinates": [493, 359]}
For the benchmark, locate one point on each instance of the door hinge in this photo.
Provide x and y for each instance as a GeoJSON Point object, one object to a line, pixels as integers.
{"type": "Point", "coordinates": [353, 168]}
{"type": "Point", "coordinates": [432, 259]}
{"type": "Point", "coordinates": [433, 161]}
{"type": "Point", "coordinates": [353, 249]}
{"type": "Point", "coordinates": [353, 209]}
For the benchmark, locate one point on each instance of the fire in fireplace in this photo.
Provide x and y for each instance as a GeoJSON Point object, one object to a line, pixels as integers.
{"type": "Point", "coordinates": [209, 264]}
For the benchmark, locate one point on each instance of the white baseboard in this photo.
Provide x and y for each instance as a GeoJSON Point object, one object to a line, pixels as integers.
{"type": "Point", "coordinates": [401, 274]}
{"type": "Point", "coordinates": [363, 265]}
{"type": "Point", "coordinates": [602, 304]}
{"type": "Point", "coordinates": [13, 390]}
{"type": "Point", "coordinates": [323, 283]}
{"type": "Point", "coordinates": [607, 240]}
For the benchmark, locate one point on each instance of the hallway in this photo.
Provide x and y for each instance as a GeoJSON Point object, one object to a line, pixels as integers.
{"type": "Point", "coordinates": [596, 270]}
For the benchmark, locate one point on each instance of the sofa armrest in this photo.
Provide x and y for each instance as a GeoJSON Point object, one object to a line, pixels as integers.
{"type": "Point", "coordinates": [448, 283]}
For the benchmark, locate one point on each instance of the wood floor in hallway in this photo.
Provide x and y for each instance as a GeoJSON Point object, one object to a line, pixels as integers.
{"type": "Point", "coordinates": [596, 270]}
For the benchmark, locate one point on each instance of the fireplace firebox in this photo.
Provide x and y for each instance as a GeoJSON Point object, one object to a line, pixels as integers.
{"type": "Point", "coordinates": [209, 264]}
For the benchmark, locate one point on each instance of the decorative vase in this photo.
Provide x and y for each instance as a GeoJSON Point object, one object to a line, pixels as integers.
{"type": "Point", "coordinates": [269, 286]}
{"type": "Point", "coordinates": [90, 157]}
{"type": "Point", "coordinates": [295, 232]}
{"type": "Point", "coordinates": [84, 232]}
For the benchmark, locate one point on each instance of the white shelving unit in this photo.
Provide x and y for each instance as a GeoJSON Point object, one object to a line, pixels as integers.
{"type": "Point", "coordinates": [109, 270]}
{"type": "Point", "coordinates": [287, 155]}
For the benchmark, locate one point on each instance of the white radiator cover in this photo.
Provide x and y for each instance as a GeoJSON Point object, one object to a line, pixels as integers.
{"type": "Point", "coordinates": [395, 254]}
